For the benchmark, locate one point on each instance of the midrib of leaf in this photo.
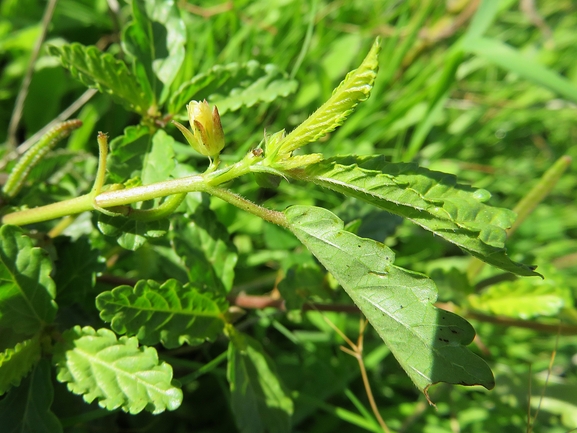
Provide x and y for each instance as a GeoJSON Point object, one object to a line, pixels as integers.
{"type": "Point", "coordinates": [170, 311]}
{"type": "Point", "coordinates": [93, 359]}
{"type": "Point", "coordinates": [23, 293]}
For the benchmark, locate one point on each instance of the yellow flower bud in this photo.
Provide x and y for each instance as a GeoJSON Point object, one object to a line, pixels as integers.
{"type": "Point", "coordinates": [207, 136]}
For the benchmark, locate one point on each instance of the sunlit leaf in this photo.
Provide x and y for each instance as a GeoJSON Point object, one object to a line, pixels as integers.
{"type": "Point", "coordinates": [429, 343]}
{"type": "Point", "coordinates": [433, 200]}
{"type": "Point", "coordinates": [170, 313]}
{"type": "Point", "coordinates": [115, 372]}
{"type": "Point", "coordinates": [103, 72]}
{"type": "Point", "coordinates": [26, 290]}
{"type": "Point", "coordinates": [131, 234]}
{"type": "Point", "coordinates": [15, 363]}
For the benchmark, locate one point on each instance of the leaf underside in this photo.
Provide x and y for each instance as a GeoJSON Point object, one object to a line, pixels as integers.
{"type": "Point", "coordinates": [169, 313]}
{"type": "Point", "coordinates": [116, 373]}
{"type": "Point", "coordinates": [433, 200]}
{"type": "Point", "coordinates": [429, 343]}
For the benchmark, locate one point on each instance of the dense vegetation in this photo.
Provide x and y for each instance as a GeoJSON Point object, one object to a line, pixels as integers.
{"type": "Point", "coordinates": [410, 161]}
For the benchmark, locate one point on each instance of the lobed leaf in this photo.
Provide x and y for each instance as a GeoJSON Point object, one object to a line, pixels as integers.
{"type": "Point", "coordinates": [16, 363]}
{"type": "Point", "coordinates": [234, 86]}
{"type": "Point", "coordinates": [170, 313]}
{"type": "Point", "coordinates": [428, 343]}
{"type": "Point", "coordinates": [105, 73]}
{"type": "Point", "coordinates": [259, 401]}
{"type": "Point", "coordinates": [116, 373]}
{"type": "Point", "coordinates": [26, 409]}
{"type": "Point", "coordinates": [433, 200]}
{"type": "Point", "coordinates": [355, 88]}
{"type": "Point", "coordinates": [127, 153]}
{"type": "Point", "coordinates": [26, 290]}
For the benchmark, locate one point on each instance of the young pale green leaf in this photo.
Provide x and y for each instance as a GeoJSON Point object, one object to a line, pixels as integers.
{"type": "Point", "coordinates": [155, 41]}
{"type": "Point", "coordinates": [430, 344]}
{"type": "Point", "coordinates": [103, 72]}
{"type": "Point", "coordinates": [170, 313]}
{"type": "Point", "coordinates": [159, 161]}
{"type": "Point", "coordinates": [259, 401]}
{"type": "Point", "coordinates": [26, 290]}
{"type": "Point", "coordinates": [433, 200]}
{"type": "Point", "coordinates": [355, 88]}
{"type": "Point", "coordinates": [207, 249]}
{"type": "Point", "coordinates": [524, 299]}
{"type": "Point", "coordinates": [26, 409]}
{"type": "Point", "coordinates": [16, 363]}
{"type": "Point", "coordinates": [116, 373]}
{"type": "Point", "coordinates": [234, 86]}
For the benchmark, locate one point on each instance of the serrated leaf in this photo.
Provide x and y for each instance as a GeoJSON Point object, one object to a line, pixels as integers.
{"type": "Point", "coordinates": [208, 252]}
{"type": "Point", "coordinates": [76, 267]}
{"type": "Point", "coordinates": [430, 344]}
{"type": "Point", "coordinates": [170, 313]}
{"type": "Point", "coordinates": [105, 73]}
{"type": "Point", "coordinates": [433, 200]}
{"type": "Point", "coordinates": [235, 85]}
{"type": "Point", "coordinates": [26, 409]}
{"type": "Point", "coordinates": [116, 373]}
{"type": "Point", "coordinates": [16, 363]}
{"type": "Point", "coordinates": [155, 40]}
{"type": "Point", "coordinates": [26, 290]}
{"type": "Point", "coordinates": [127, 153]}
{"type": "Point", "coordinates": [524, 299]}
{"type": "Point", "coordinates": [131, 234]}
{"type": "Point", "coordinates": [258, 399]}
{"type": "Point", "coordinates": [355, 88]}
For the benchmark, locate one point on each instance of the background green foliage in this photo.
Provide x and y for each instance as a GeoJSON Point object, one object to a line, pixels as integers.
{"type": "Point", "coordinates": [487, 94]}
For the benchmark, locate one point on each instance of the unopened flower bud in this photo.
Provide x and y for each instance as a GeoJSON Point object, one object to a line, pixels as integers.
{"type": "Point", "coordinates": [207, 136]}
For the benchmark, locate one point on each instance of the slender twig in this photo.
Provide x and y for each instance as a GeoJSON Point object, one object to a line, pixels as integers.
{"type": "Point", "coordinates": [23, 93]}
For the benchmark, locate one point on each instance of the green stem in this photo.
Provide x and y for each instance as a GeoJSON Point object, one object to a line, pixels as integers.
{"type": "Point", "coordinates": [51, 211]}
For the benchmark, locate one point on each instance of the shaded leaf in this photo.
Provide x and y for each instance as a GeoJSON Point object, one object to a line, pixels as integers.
{"type": "Point", "coordinates": [431, 199]}
{"type": "Point", "coordinates": [17, 362]}
{"type": "Point", "coordinates": [116, 373]}
{"type": "Point", "coordinates": [355, 88]}
{"type": "Point", "coordinates": [170, 313]}
{"type": "Point", "coordinates": [131, 234]}
{"type": "Point", "coordinates": [103, 72]}
{"type": "Point", "coordinates": [258, 399]}
{"type": "Point", "coordinates": [26, 290]}
{"type": "Point", "coordinates": [207, 249]}
{"type": "Point", "coordinates": [26, 409]}
{"type": "Point", "coordinates": [127, 153]}
{"type": "Point", "coordinates": [428, 343]}
{"type": "Point", "coordinates": [301, 282]}
{"type": "Point", "coordinates": [233, 86]}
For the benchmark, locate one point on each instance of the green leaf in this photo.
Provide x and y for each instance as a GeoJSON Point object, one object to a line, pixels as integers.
{"type": "Point", "coordinates": [76, 267]}
{"type": "Point", "coordinates": [355, 88]}
{"type": "Point", "coordinates": [170, 313]}
{"type": "Point", "coordinates": [207, 249]}
{"type": "Point", "coordinates": [103, 72]}
{"type": "Point", "coordinates": [26, 409]}
{"type": "Point", "coordinates": [301, 282]}
{"type": "Point", "coordinates": [155, 41]}
{"type": "Point", "coordinates": [433, 200]}
{"type": "Point", "coordinates": [127, 153]}
{"type": "Point", "coordinates": [428, 343]}
{"type": "Point", "coordinates": [26, 290]}
{"type": "Point", "coordinates": [258, 399]}
{"type": "Point", "coordinates": [131, 234]}
{"type": "Point", "coordinates": [16, 363]}
{"type": "Point", "coordinates": [234, 86]}
{"type": "Point", "coordinates": [116, 373]}
{"type": "Point", "coordinates": [159, 162]}
{"type": "Point", "coordinates": [524, 299]}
